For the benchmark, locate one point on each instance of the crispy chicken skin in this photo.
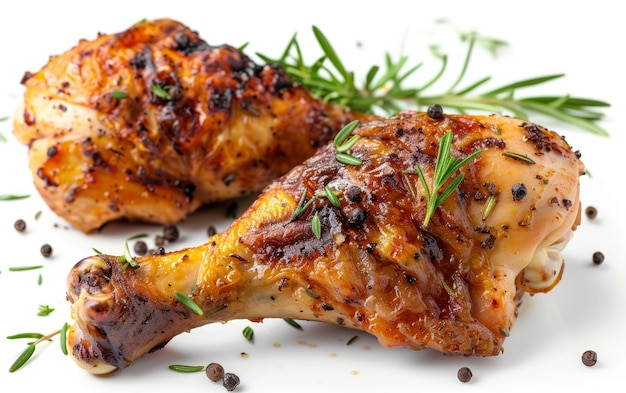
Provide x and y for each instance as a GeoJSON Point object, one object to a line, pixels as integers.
{"type": "Point", "coordinates": [153, 122]}
{"type": "Point", "coordinates": [451, 286]}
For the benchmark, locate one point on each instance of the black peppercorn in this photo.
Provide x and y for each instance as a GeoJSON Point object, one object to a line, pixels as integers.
{"type": "Point", "coordinates": [354, 194]}
{"type": "Point", "coordinates": [171, 233]}
{"type": "Point", "coordinates": [435, 111]}
{"type": "Point", "coordinates": [597, 258]}
{"type": "Point", "coordinates": [591, 212]}
{"type": "Point", "coordinates": [464, 374]}
{"type": "Point", "coordinates": [140, 247]}
{"type": "Point", "coordinates": [519, 191]}
{"type": "Point", "coordinates": [46, 250]}
{"type": "Point", "coordinates": [589, 358]}
{"type": "Point", "coordinates": [357, 216]}
{"type": "Point", "coordinates": [214, 371]}
{"type": "Point", "coordinates": [20, 225]}
{"type": "Point", "coordinates": [230, 381]}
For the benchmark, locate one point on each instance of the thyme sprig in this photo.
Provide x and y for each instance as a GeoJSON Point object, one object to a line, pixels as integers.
{"type": "Point", "coordinates": [328, 78]}
{"type": "Point", "coordinates": [445, 167]}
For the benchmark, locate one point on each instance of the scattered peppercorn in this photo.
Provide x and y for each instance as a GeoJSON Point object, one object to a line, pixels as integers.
{"type": "Point", "coordinates": [591, 212]}
{"type": "Point", "coordinates": [589, 358]}
{"type": "Point", "coordinates": [464, 374]}
{"type": "Point", "coordinates": [171, 233]}
{"type": "Point", "coordinates": [214, 371]}
{"type": "Point", "coordinates": [211, 230]}
{"type": "Point", "coordinates": [230, 381]}
{"type": "Point", "coordinates": [46, 250]}
{"type": "Point", "coordinates": [20, 225]}
{"type": "Point", "coordinates": [598, 258]}
{"type": "Point", "coordinates": [435, 111]}
{"type": "Point", "coordinates": [140, 247]}
{"type": "Point", "coordinates": [519, 191]}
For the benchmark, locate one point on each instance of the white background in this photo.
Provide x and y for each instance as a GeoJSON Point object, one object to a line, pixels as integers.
{"type": "Point", "coordinates": [584, 40]}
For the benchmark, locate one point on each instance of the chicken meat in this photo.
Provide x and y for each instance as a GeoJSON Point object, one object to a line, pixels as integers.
{"type": "Point", "coordinates": [345, 242]}
{"type": "Point", "coordinates": [151, 123]}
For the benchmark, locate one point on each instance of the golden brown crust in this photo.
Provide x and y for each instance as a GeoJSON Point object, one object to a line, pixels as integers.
{"type": "Point", "coordinates": [448, 286]}
{"type": "Point", "coordinates": [195, 124]}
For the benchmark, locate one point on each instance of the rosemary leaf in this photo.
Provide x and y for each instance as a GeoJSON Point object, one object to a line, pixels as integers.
{"type": "Point", "coordinates": [348, 159]}
{"type": "Point", "coordinates": [63, 339]}
{"type": "Point", "coordinates": [119, 94]}
{"type": "Point", "coordinates": [186, 300]}
{"type": "Point", "coordinates": [24, 268]}
{"type": "Point", "coordinates": [23, 358]}
{"type": "Point", "coordinates": [161, 92]}
{"type": "Point", "coordinates": [491, 202]}
{"type": "Point", "coordinates": [25, 335]}
{"type": "Point", "coordinates": [248, 333]}
{"type": "Point", "coordinates": [519, 157]}
{"type": "Point", "coordinates": [332, 197]}
{"type": "Point", "coordinates": [12, 197]}
{"type": "Point", "coordinates": [181, 368]}
{"type": "Point", "coordinates": [293, 323]}
{"type": "Point", "coordinates": [316, 226]}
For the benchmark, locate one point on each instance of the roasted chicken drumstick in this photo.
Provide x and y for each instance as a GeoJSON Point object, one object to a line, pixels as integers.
{"type": "Point", "coordinates": [451, 285]}
{"type": "Point", "coordinates": [153, 122]}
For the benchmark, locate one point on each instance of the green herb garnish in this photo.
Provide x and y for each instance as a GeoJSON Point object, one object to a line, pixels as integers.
{"type": "Point", "coordinates": [316, 226]}
{"type": "Point", "coordinates": [445, 167]}
{"type": "Point", "coordinates": [519, 157]}
{"type": "Point", "coordinates": [386, 92]}
{"type": "Point", "coordinates": [491, 202]}
{"type": "Point", "coordinates": [12, 197]}
{"type": "Point", "coordinates": [127, 258]}
{"type": "Point", "coordinates": [343, 147]}
{"type": "Point", "coordinates": [28, 352]}
{"type": "Point", "coordinates": [292, 323]}
{"type": "Point", "coordinates": [186, 300]}
{"type": "Point", "coordinates": [332, 197]}
{"type": "Point", "coordinates": [353, 339]}
{"type": "Point", "coordinates": [248, 333]}
{"type": "Point", "coordinates": [302, 206]}
{"type": "Point", "coordinates": [181, 368]}
{"type": "Point", "coordinates": [64, 338]}
{"type": "Point", "coordinates": [119, 94]}
{"type": "Point", "coordinates": [24, 268]}
{"type": "Point", "coordinates": [44, 310]}
{"type": "Point", "coordinates": [161, 92]}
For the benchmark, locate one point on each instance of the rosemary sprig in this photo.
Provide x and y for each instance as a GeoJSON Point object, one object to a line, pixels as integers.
{"type": "Point", "coordinates": [445, 167]}
{"type": "Point", "coordinates": [328, 78]}
{"type": "Point", "coordinates": [28, 352]}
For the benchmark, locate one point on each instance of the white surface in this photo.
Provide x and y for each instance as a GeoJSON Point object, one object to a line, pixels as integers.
{"type": "Point", "coordinates": [585, 311]}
